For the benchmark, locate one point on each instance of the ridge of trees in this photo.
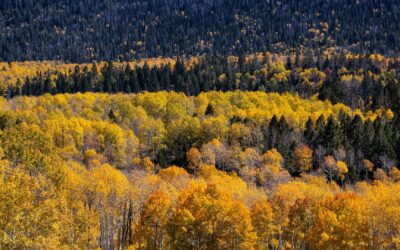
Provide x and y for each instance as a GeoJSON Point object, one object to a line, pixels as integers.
{"type": "Point", "coordinates": [360, 81]}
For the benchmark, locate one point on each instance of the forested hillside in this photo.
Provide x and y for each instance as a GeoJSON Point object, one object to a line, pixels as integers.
{"type": "Point", "coordinates": [200, 124]}
{"type": "Point", "coordinates": [164, 126]}
{"type": "Point", "coordinates": [120, 29]}
{"type": "Point", "coordinates": [87, 171]}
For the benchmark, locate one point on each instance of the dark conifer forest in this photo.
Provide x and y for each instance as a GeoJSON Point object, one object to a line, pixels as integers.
{"type": "Point", "coordinates": [89, 30]}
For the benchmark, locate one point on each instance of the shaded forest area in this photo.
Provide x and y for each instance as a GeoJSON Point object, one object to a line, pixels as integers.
{"type": "Point", "coordinates": [83, 31]}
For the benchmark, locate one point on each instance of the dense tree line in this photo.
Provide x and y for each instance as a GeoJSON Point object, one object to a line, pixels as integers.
{"type": "Point", "coordinates": [223, 128]}
{"type": "Point", "coordinates": [120, 29]}
{"type": "Point", "coordinates": [360, 81]}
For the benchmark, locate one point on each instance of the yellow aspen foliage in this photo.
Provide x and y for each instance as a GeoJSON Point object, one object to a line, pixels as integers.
{"type": "Point", "coordinates": [194, 158]}
{"type": "Point", "coordinates": [368, 165]}
{"type": "Point", "coordinates": [205, 216]}
{"type": "Point", "coordinates": [92, 159]}
{"type": "Point", "coordinates": [147, 164]}
{"type": "Point", "coordinates": [112, 184]}
{"type": "Point", "coordinates": [271, 171]}
{"type": "Point", "coordinates": [273, 159]}
{"type": "Point", "coordinates": [229, 183]}
{"type": "Point", "coordinates": [395, 174]}
{"type": "Point", "coordinates": [332, 168]}
{"type": "Point", "coordinates": [79, 226]}
{"type": "Point", "coordinates": [150, 109]}
{"type": "Point", "coordinates": [340, 222]}
{"type": "Point", "coordinates": [250, 158]}
{"type": "Point", "coordinates": [136, 162]}
{"type": "Point", "coordinates": [263, 223]}
{"type": "Point", "coordinates": [152, 229]}
{"type": "Point", "coordinates": [214, 128]}
{"type": "Point", "coordinates": [383, 213]}
{"type": "Point", "coordinates": [312, 78]}
{"type": "Point", "coordinates": [342, 169]}
{"type": "Point", "coordinates": [303, 155]}
{"type": "Point", "coordinates": [72, 178]}
{"type": "Point", "coordinates": [389, 115]}
{"type": "Point", "coordinates": [112, 189]}
{"type": "Point", "coordinates": [173, 172]}
{"type": "Point", "coordinates": [249, 175]}
{"type": "Point", "coordinates": [28, 210]}
{"type": "Point", "coordinates": [286, 196]}
{"type": "Point", "coordinates": [329, 167]}
{"type": "Point", "coordinates": [175, 176]}
{"type": "Point", "coordinates": [380, 175]}
{"type": "Point", "coordinates": [214, 153]}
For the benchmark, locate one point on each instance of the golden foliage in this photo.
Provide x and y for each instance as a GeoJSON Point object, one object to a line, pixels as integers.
{"type": "Point", "coordinates": [73, 179]}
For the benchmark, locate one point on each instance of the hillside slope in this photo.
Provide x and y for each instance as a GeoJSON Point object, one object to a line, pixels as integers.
{"type": "Point", "coordinates": [121, 29]}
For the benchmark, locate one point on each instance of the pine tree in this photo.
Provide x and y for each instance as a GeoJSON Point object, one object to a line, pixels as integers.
{"type": "Point", "coordinates": [319, 130]}
{"type": "Point", "coordinates": [381, 143]}
{"type": "Point", "coordinates": [332, 135]}
{"type": "Point", "coordinates": [309, 132]}
{"type": "Point", "coordinates": [355, 132]}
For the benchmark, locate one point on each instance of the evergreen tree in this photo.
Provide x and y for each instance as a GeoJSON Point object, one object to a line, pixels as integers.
{"type": "Point", "coordinates": [332, 135]}
{"type": "Point", "coordinates": [309, 132]}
